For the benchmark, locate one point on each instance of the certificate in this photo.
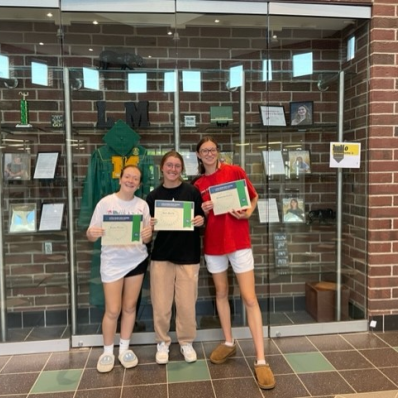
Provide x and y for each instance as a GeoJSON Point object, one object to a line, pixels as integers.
{"type": "Point", "coordinates": [268, 210]}
{"type": "Point", "coordinates": [191, 163]}
{"type": "Point", "coordinates": [273, 162]}
{"type": "Point", "coordinates": [51, 217]}
{"type": "Point", "coordinates": [174, 215]}
{"type": "Point", "coordinates": [230, 196]}
{"type": "Point", "coordinates": [122, 229]}
{"type": "Point", "coordinates": [46, 164]}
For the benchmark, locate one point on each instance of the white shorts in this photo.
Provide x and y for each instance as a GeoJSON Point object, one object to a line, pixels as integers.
{"type": "Point", "coordinates": [241, 261]}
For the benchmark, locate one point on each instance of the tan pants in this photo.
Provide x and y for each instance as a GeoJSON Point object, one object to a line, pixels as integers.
{"type": "Point", "coordinates": [170, 282]}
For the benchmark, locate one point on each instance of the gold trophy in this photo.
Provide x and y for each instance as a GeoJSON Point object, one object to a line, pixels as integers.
{"type": "Point", "coordinates": [24, 111]}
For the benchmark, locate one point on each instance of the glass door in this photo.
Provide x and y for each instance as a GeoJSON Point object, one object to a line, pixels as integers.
{"type": "Point", "coordinates": [34, 264]}
{"type": "Point", "coordinates": [316, 239]}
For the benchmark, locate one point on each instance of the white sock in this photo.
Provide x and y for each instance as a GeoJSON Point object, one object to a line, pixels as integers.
{"type": "Point", "coordinates": [230, 344]}
{"type": "Point", "coordinates": [262, 362]}
{"type": "Point", "coordinates": [123, 346]}
{"type": "Point", "coordinates": [108, 349]}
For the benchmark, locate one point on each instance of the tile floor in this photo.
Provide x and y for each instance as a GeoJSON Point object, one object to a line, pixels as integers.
{"type": "Point", "coordinates": [347, 365]}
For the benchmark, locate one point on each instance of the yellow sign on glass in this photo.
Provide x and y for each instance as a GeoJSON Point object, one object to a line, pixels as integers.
{"type": "Point", "coordinates": [345, 155]}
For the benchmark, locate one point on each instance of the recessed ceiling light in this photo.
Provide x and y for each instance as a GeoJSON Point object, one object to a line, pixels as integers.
{"type": "Point", "coordinates": [95, 22]}
{"type": "Point", "coordinates": [41, 43]}
{"type": "Point", "coordinates": [49, 15]}
{"type": "Point", "coordinates": [90, 49]}
{"type": "Point", "coordinates": [217, 21]}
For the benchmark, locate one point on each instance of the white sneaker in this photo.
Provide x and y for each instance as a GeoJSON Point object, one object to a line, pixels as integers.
{"type": "Point", "coordinates": [189, 353]}
{"type": "Point", "coordinates": [162, 354]}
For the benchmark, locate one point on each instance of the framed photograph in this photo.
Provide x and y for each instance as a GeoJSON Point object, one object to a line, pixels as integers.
{"type": "Point", "coordinates": [299, 163]}
{"type": "Point", "coordinates": [301, 113]}
{"type": "Point", "coordinates": [293, 210]}
{"type": "Point", "coordinates": [22, 218]}
{"type": "Point", "coordinates": [16, 166]}
{"type": "Point", "coordinates": [272, 115]}
{"type": "Point", "coordinates": [51, 216]}
{"type": "Point", "coordinates": [46, 164]}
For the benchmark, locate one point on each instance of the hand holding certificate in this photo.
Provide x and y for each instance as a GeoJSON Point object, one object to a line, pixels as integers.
{"type": "Point", "coordinates": [122, 229]}
{"type": "Point", "coordinates": [229, 196]}
{"type": "Point", "coordinates": [173, 215]}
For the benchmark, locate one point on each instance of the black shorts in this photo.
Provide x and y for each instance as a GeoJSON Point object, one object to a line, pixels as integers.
{"type": "Point", "coordinates": [139, 269]}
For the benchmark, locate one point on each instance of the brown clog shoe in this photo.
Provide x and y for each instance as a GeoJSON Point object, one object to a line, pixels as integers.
{"type": "Point", "coordinates": [265, 377]}
{"type": "Point", "coordinates": [221, 353]}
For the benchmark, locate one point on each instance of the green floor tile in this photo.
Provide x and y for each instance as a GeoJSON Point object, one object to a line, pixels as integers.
{"type": "Point", "coordinates": [58, 380]}
{"type": "Point", "coordinates": [308, 362]}
{"type": "Point", "coordinates": [181, 371]}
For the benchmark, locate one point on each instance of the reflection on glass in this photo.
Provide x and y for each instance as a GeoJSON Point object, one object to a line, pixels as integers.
{"type": "Point", "coordinates": [267, 70]}
{"type": "Point", "coordinates": [236, 76]}
{"type": "Point", "coordinates": [191, 81]}
{"type": "Point", "coordinates": [137, 83]}
{"type": "Point", "coordinates": [302, 64]}
{"type": "Point", "coordinates": [39, 73]}
{"type": "Point", "coordinates": [351, 48]}
{"type": "Point", "coordinates": [4, 67]}
{"type": "Point", "coordinates": [170, 82]}
{"type": "Point", "coordinates": [91, 79]}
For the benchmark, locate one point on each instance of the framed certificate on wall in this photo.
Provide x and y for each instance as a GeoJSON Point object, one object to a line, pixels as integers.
{"type": "Point", "coordinates": [272, 115]}
{"type": "Point", "coordinates": [51, 216]}
{"type": "Point", "coordinates": [46, 164]}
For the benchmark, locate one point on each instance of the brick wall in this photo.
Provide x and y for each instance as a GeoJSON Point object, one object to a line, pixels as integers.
{"type": "Point", "coordinates": [383, 144]}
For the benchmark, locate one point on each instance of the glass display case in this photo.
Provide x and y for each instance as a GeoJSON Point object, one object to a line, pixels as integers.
{"type": "Point", "coordinates": [274, 90]}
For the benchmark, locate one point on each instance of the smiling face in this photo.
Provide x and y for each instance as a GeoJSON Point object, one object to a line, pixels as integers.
{"type": "Point", "coordinates": [301, 111]}
{"type": "Point", "coordinates": [172, 165]}
{"type": "Point", "coordinates": [208, 154]}
{"type": "Point", "coordinates": [130, 180]}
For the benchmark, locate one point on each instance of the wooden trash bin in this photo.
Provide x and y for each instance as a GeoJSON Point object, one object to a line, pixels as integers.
{"type": "Point", "coordinates": [320, 301]}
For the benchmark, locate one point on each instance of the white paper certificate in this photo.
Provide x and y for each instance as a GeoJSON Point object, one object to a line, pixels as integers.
{"type": "Point", "coordinates": [174, 215]}
{"type": "Point", "coordinates": [230, 196]}
{"type": "Point", "coordinates": [268, 210]}
{"type": "Point", "coordinates": [51, 217]}
{"type": "Point", "coordinates": [122, 229]}
{"type": "Point", "coordinates": [46, 165]}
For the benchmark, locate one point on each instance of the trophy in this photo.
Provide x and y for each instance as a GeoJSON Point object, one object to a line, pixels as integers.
{"type": "Point", "coordinates": [24, 111]}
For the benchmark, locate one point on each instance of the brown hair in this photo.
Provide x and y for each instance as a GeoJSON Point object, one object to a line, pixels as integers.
{"type": "Point", "coordinates": [173, 154]}
{"type": "Point", "coordinates": [133, 167]}
{"type": "Point", "coordinates": [201, 168]}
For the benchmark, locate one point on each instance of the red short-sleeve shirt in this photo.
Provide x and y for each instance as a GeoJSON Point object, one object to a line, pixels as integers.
{"type": "Point", "coordinates": [224, 233]}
